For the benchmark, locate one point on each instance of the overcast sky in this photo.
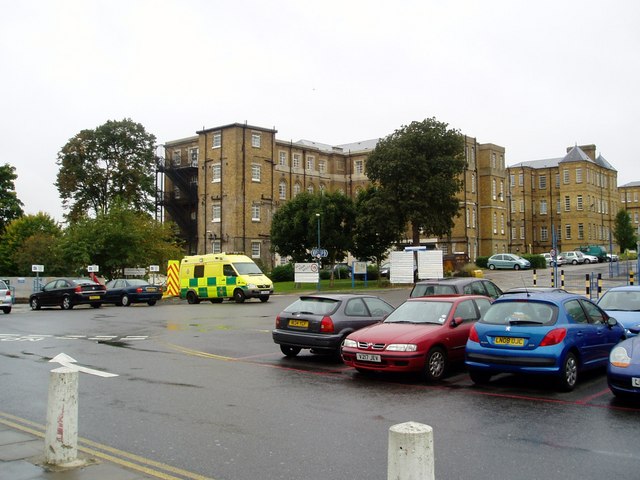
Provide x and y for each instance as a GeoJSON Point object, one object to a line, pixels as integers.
{"type": "Point", "coordinates": [534, 77]}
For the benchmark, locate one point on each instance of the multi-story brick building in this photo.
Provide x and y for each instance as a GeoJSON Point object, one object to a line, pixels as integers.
{"type": "Point", "coordinates": [223, 185]}
{"type": "Point", "coordinates": [629, 193]}
{"type": "Point", "coordinates": [575, 196]}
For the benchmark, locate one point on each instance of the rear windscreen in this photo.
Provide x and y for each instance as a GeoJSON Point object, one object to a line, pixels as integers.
{"type": "Point", "coordinates": [520, 313]}
{"type": "Point", "coordinates": [316, 306]}
{"type": "Point", "coordinates": [427, 290]}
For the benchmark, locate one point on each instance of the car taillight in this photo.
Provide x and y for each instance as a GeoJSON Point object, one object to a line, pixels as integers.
{"type": "Point", "coordinates": [326, 325]}
{"type": "Point", "coordinates": [278, 321]}
{"type": "Point", "coordinates": [554, 337]}
{"type": "Point", "coordinates": [78, 289]}
{"type": "Point", "coordinates": [473, 335]}
{"type": "Point", "coordinates": [139, 290]}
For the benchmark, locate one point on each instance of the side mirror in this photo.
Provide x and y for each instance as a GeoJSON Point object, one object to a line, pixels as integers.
{"type": "Point", "coordinates": [611, 322]}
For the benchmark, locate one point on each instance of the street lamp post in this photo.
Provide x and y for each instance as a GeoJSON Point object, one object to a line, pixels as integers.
{"type": "Point", "coordinates": [318, 219]}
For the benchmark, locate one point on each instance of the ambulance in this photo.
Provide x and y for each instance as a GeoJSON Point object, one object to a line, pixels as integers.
{"type": "Point", "coordinates": [216, 276]}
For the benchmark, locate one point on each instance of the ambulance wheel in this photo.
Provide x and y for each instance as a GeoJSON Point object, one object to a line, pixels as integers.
{"type": "Point", "coordinates": [264, 298]}
{"type": "Point", "coordinates": [192, 298]}
{"type": "Point", "coordinates": [238, 295]}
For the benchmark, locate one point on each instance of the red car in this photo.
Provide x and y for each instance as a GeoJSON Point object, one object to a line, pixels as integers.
{"type": "Point", "coordinates": [423, 335]}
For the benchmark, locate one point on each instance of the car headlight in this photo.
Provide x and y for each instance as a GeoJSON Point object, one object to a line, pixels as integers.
{"type": "Point", "coordinates": [619, 357]}
{"type": "Point", "coordinates": [349, 343]}
{"type": "Point", "coordinates": [252, 285]}
{"type": "Point", "coordinates": [402, 347]}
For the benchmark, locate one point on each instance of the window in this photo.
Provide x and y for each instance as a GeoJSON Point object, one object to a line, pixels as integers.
{"type": "Point", "coordinates": [322, 166]}
{"type": "Point", "coordinates": [513, 232]}
{"type": "Point", "coordinates": [193, 155]}
{"type": "Point", "coordinates": [567, 231]}
{"type": "Point", "coordinates": [255, 212]}
{"type": "Point", "coordinates": [502, 190]}
{"type": "Point", "coordinates": [282, 190]}
{"type": "Point", "coordinates": [521, 205]}
{"type": "Point", "coordinates": [296, 160]}
{"type": "Point", "coordinates": [578, 175]}
{"type": "Point", "coordinates": [493, 160]}
{"type": "Point", "coordinates": [310, 162]}
{"type": "Point", "coordinates": [282, 159]}
{"type": "Point", "coordinates": [542, 182]}
{"type": "Point", "coordinates": [217, 246]}
{"type": "Point", "coordinates": [176, 192]}
{"type": "Point", "coordinates": [565, 176]}
{"type": "Point", "coordinates": [216, 212]}
{"type": "Point", "coordinates": [322, 188]}
{"type": "Point", "coordinates": [216, 172]}
{"type": "Point", "coordinates": [580, 231]}
{"type": "Point", "coordinates": [579, 202]}
{"type": "Point", "coordinates": [543, 207]}
{"type": "Point", "coordinates": [255, 249]}
{"type": "Point", "coordinates": [502, 223]}
{"type": "Point", "coordinates": [296, 189]}
{"type": "Point", "coordinates": [522, 233]}
{"type": "Point", "coordinates": [255, 172]}
{"type": "Point", "coordinates": [493, 188]}
{"type": "Point", "coordinates": [359, 166]}
{"type": "Point", "coordinates": [635, 197]}
{"type": "Point", "coordinates": [468, 217]}
{"type": "Point", "coordinates": [255, 139]}
{"type": "Point", "coordinates": [512, 180]}
{"type": "Point", "coordinates": [544, 234]}
{"type": "Point", "coordinates": [495, 222]}
{"type": "Point", "coordinates": [176, 157]}
{"type": "Point", "coordinates": [521, 179]}
{"type": "Point", "coordinates": [473, 217]}
{"type": "Point", "coordinates": [473, 183]}
{"type": "Point", "coordinates": [310, 188]}
{"type": "Point", "coordinates": [216, 141]}
{"type": "Point", "coordinates": [557, 180]}
{"type": "Point", "coordinates": [513, 205]}
{"type": "Point", "coordinates": [567, 203]}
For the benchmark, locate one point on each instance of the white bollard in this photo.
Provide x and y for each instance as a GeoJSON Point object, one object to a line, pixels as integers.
{"type": "Point", "coordinates": [410, 455]}
{"type": "Point", "coordinates": [61, 436]}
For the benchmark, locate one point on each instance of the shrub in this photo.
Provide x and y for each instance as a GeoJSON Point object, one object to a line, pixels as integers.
{"type": "Point", "coordinates": [282, 273]}
{"type": "Point", "coordinates": [481, 262]}
{"type": "Point", "coordinates": [537, 261]}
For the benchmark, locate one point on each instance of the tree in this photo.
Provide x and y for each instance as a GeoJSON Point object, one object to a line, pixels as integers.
{"type": "Point", "coordinates": [624, 232]}
{"type": "Point", "coordinates": [419, 168]}
{"type": "Point", "coordinates": [16, 246]}
{"type": "Point", "coordinates": [375, 229]}
{"type": "Point", "coordinates": [294, 229]}
{"type": "Point", "coordinates": [97, 167]}
{"type": "Point", "coordinates": [119, 239]}
{"type": "Point", "coordinates": [10, 206]}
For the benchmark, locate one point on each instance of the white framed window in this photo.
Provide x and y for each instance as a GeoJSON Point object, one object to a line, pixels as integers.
{"type": "Point", "coordinates": [544, 234]}
{"type": "Point", "coordinates": [513, 232]}
{"type": "Point", "coordinates": [255, 139]}
{"type": "Point", "coordinates": [512, 180]}
{"type": "Point", "coordinates": [310, 188]}
{"type": "Point", "coordinates": [358, 166]}
{"type": "Point", "coordinates": [542, 182]}
{"type": "Point", "coordinates": [565, 176]}
{"type": "Point", "coordinates": [521, 233]}
{"type": "Point", "coordinates": [282, 190]}
{"type": "Point", "coordinates": [282, 159]}
{"type": "Point", "coordinates": [322, 166]}
{"type": "Point", "coordinates": [543, 207]}
{"type": "Point", "coordinates": [255, 212]}
{"type": "Point", "coordinates": [217, 246]}
{"type": "Point", "coordinates": [255, 249]}
{"type": "Point", "coordinates": [520, 179]}
{"type": "Point", "coordinates": [521, 206]}
{"type": "Point", "coordinates": [296, 160]}
{"type": "Point", "coordinates": [296, 189]}
{"type": "Point", "coordinates": [580, 231]}
{"type": "Point", "coordinates": [567, 231]}
{"type": "Point", "coordinates": [567, 203]}
{"type": "Point", "coordinates": [216, 212]}
{"type": "Point", "coordinates": [635, 197]}
{"type": "Point", "coordinates": [557, 180]}
{"type": "Point", "coordinates": [216, 172]}
{"type": "Point", "coordinates": [474, 217]}
{"type": "Point", "coordinates": [311, 160]}
{"type": "Point", "coordinates": [502, 190]}
{"type": "Point", "coordinates": [493, 160]}
{"type": "Point", "coordinates": [473, 183]}
{"type": "Point", "coordinates": [495, 223]}
{"type": "Point", "coordinates": [579, 204]}
{"type": "Point", "coordinates": [493, 188]}
{"type": "Point", "coordinates": [578, 175]}
{"type": "Point", "coordinates": [216, 140]}
{"type": "Point", "coordinates": [256, 172]}
{"type": "Point", "coordinates": [193, 156]}
{"type": "Point", "coordinates": [468, 217]}
{"type": "Point", "coordinates": [322, 188]}
{"type": "Point", "coordinates": [502, 223]}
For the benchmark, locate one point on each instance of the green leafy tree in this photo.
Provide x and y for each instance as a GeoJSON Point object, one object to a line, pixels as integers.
{"type": "Point", "coordinates": [10, 206]}
{"type": "Point", "coordinates": [17, 248]}
{"type": "Point", "coordinates": [40, 249]}
{"type": "Point", "coordinates": [119, 239]}
{"type": "Point", "coordinates": [419, 167]}
{"type": "Point", "coordinates": [113, 162]}
{"type": "Point", "coordinates": [294, 229]}
{"type": "Point", "coordinates": [624, 232]}
{"type": "Point", "coordinates": [375, 228]}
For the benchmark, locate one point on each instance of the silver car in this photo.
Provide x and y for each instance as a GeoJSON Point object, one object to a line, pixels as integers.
{"type": "Point", "coordinates": [507, 260]}
{"type": "Point", "coordinates": [6, 300]}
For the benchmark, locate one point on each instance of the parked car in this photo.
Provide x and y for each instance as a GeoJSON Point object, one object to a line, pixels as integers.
{"type": "Point", "coordinates": [560, 260]}
{"type": "Point", "coordinates": [423, 335]}
{"type": "Point", "coordinates": [623, 303]}
{"type": "Point", "coordinates": [6, 300]}
{"type": "Point", "coordinates": [589, 258]}
{"type": "Point", "coordinates": [67, 293]}
{"type": "Point", "coordinates": [320, 322]}
{"type": "Point", "coordinates": [459, 285]}
{"type": "Point", "coordinates": [125, 291]}
{"type": "Point", "coordinates": [573, 257]}
{"type": "Point", "coordinates": [507, 260]}
{"type": "Point", "coordinates": [554, 334]}
{"type": "Point", "coordinates": [623, 370]}
{"type": "Point", "coordinates": [597, 251]}
{"type": "Point", "coordinates": [612, 257]}
{"type": "Point", "coordinates": [534, 290]}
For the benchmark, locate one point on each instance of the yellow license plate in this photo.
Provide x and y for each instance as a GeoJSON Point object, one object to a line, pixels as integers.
{"type": "Point", "coordinates": [94, 297]}
{"type": "Point", "coordinates": [298, 323]}
{"type": "Point", "coordinates": [152, 289]}
{"type": "Point", "coordinates": [514, 341]}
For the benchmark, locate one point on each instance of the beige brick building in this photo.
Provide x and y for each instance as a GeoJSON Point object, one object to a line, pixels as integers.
{"type": "Point", "coordinates": [575, 196]}
{"type": "Point", "coordinates": [630, 201]}
{"type": "Point", "coordinates": [222, 186]}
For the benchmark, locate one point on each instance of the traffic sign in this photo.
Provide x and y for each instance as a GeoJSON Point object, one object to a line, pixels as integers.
{"type": "Point", "coordinates": [93, 268]}
{"type": "Point", "coordinates": [553, 252]}
{"type": "Point", "coordinates": [37, 268]}
{"type": "Point", "coordinates": [319, 252]}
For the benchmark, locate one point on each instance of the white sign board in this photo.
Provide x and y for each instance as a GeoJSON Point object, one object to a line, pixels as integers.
{"type": "Point", "coordinates": [135, 272]}
{"type": "Point", "coordinates": [93, 268]}
{"type": "Point", "coordinates": [37, 268]}
{"type": "Point", "coordinates": [154, 268]}
{"type": "Point", "coordinates": [306, 273]}
{"type": "Point", "coordinates": [430, 264]}
{"type": "Point", "coordinates": [402, 266]}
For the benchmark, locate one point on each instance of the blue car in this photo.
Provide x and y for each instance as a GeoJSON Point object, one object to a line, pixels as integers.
{"type": "Point", "coordinates": [125, 291]}
{"type": "Point", "coordinates": [623, 371]}
{"type": "Point", "coordinates": [624, 304]}
{"type": "Point", "coordinates": [555, 334]}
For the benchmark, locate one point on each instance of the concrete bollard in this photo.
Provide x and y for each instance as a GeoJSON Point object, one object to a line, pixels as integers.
{"type": "Point", "coordinates": [61, 436]}
{"type": "Point", "coordinates": [411, 455]}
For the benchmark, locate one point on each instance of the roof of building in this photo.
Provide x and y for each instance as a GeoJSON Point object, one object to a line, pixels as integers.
{"type": "Point", "coordinates": [363, 146]}
{"type": "Point", "coordinates": [575, 154]}
{"type": "Point", "coordinates": [630, 184]}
